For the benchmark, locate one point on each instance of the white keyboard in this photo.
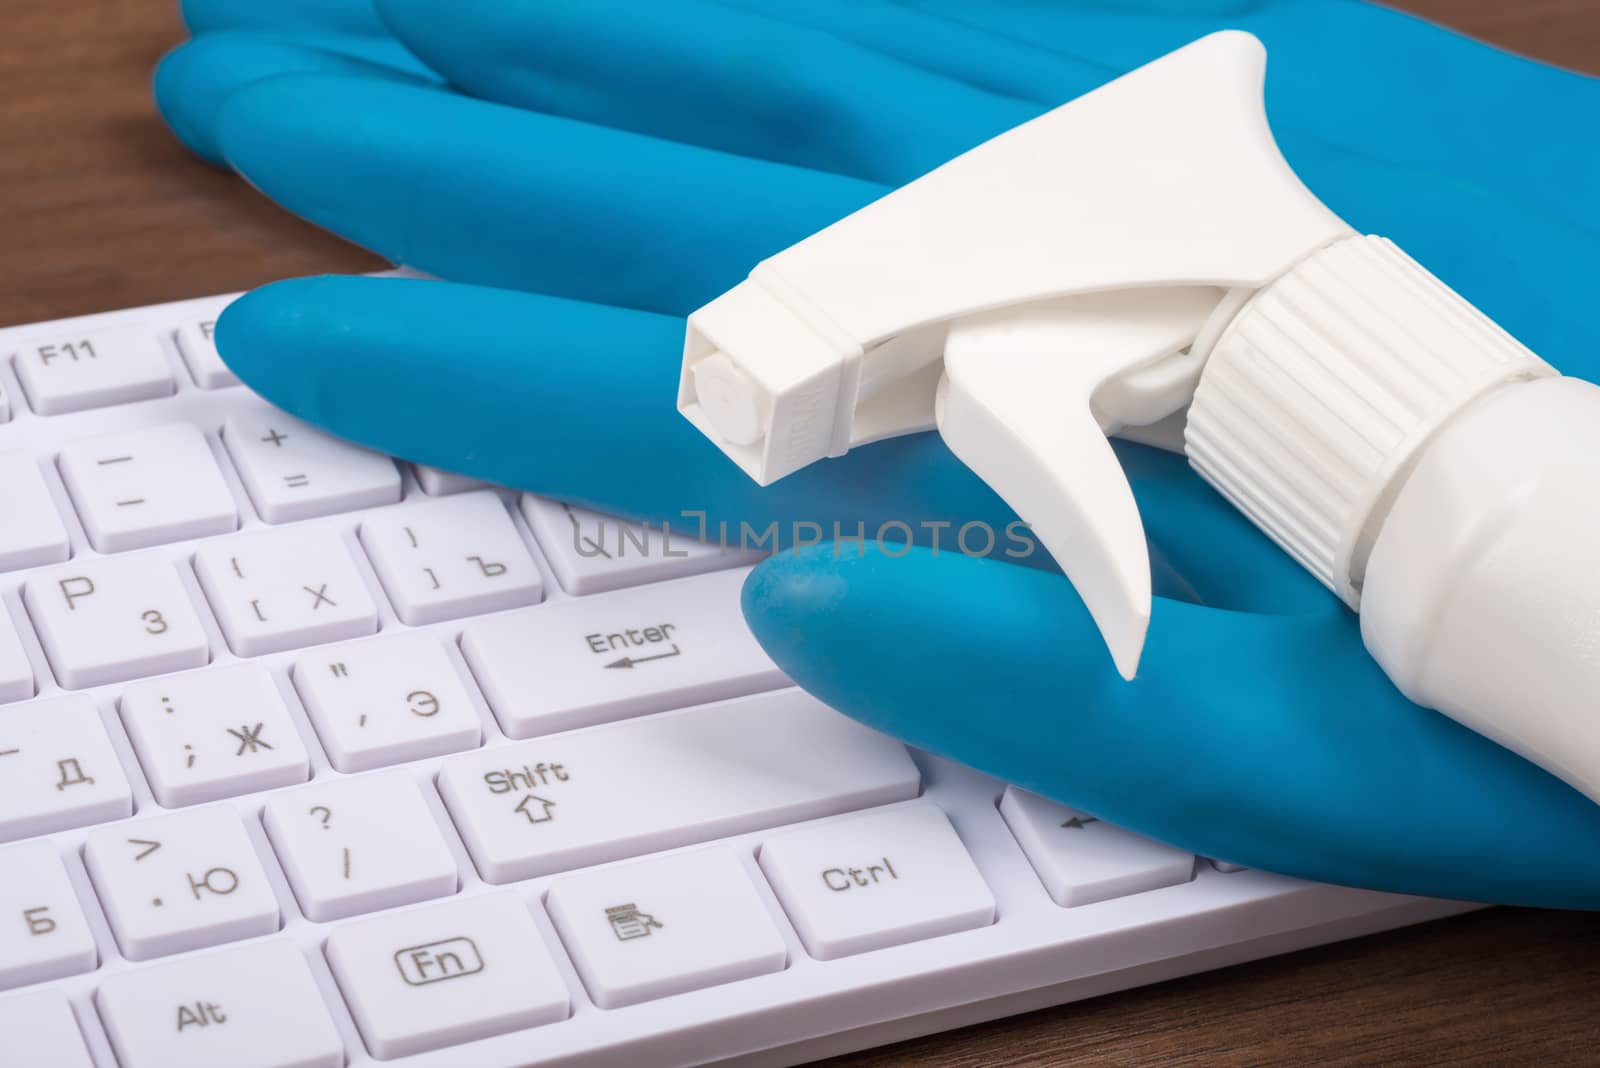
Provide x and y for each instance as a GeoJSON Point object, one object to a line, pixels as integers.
{"type": "Point", "coordinates": [311, 758]}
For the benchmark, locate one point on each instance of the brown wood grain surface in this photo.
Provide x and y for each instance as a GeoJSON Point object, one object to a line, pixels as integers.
{"type": "Point", "coordinates": [100, 209]}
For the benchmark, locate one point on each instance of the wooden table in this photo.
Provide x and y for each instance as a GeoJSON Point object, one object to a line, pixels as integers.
{"type": "Point", "coordinates": [100, 209]}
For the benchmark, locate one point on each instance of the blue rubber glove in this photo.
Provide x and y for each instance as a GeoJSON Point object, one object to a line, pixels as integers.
{"type": "Point", "coordinates": [677, 145]}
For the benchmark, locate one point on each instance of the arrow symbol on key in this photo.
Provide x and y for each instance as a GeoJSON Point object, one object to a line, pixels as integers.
{"type": "Point", "coordinates": [149, 847]}
{"type": "Point", "coordinates": [1078, 823]}
{"type": "Point", "coordinates": [629, 661]}
{"type": "Point", "coordinates": [536, 815]}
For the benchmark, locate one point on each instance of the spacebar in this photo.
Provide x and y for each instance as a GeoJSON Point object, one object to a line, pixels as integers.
{"type": "Point", "coordinates": [593, 795]}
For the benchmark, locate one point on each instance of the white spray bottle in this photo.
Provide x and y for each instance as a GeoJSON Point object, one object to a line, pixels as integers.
{"type": "Point", "coordinates": [1143, 262]}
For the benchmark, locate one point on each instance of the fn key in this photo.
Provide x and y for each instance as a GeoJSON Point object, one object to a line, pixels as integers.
{"type": "Point", "coordinates": [446, 973]}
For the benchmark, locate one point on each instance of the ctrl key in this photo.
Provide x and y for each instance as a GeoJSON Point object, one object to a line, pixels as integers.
{"type": "Point", "coordinates": [876, 879]}
{"type": "Point", "coordinates": [256, 1006]}
{"type": "Point", "coordinates": [447, 973]}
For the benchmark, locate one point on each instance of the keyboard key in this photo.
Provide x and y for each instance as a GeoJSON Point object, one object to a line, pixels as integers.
{"type": "Point", "coordinates": [68, 371]}
{"type": "Point", "coordinates": [115, 618]}
{"type": "Point", "coordinates": [876, 879]}
{"type": "Point", "coordinates": [574, 663]}
{"type": "Point", "coordinates": [447, 973]}
{"type": "Point", "coordinates": [146, 487]}
{"type": "Point", "coordinates": [387, 699]}
{"type": "Point", "coordinates": [644, 785]}
{"type": "Point", "coordinates": [294, 471]}
{"type": "Point", "coordinates": [658, 927]}
{"type": "Point", "coordinates": [281, 589]}
{"type": "Point", "coordinates": [179, 882]}
{"type": "Point", "coordinates": [591, 552]}
{"type": "Point", "coordinates": [253, 1006]}
{"type": "Point", "coordinates": [204, 735]}
{"type": "Point", "coordinates": [57, 769]}
{"type": "Point", "coordinates": [197, 343]}
{"type": "Point", "coordinates": [31, 533]}
{"type": "Point", "coordinates": [43, 934]}
{"type": "Point", "coordinates": [16, 674]}
{"type": "Point", "coordinates": [357, 845]}
{"type": "Point", "coordinates": [1081, 860]}
{"type": "Point", "coordinates": [451, 558]}
{"type": "Point", "coordinates": [39, 1029]}
{"type": "Point", "coordinates": [436, 482]}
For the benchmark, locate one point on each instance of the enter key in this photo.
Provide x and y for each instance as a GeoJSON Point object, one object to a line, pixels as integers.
{"type": "Point", "coordinates": [573, 663]}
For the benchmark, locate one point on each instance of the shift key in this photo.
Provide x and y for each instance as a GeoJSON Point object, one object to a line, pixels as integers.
{"type": "Point", "coordinates": [589, 660]}
{"type": "Point", "coordinates": [659, 782]}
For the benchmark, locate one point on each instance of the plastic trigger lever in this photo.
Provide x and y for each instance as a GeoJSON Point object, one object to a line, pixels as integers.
{"type": "Point", "coordinates": [1025, 404]}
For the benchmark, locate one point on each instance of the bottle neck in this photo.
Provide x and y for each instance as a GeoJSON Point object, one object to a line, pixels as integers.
{"type": "Point", "coordinates": [1322, 391]}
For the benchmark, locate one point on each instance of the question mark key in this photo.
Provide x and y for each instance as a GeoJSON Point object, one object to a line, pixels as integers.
{"type": "Point", "coordinates": [386, 850]}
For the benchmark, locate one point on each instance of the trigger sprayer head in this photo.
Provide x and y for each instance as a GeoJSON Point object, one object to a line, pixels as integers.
{"type": "Point", "coordinates": [1090, 233]}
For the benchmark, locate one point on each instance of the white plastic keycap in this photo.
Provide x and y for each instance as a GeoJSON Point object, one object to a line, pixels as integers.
{"type": "Point", "coordinates": [57, 768]}
{"type": "Point", "coordinates": [437, 482]}
{"type": "Point", "coordinates": [293, 471]}
{"type": "Point", "coordinates": [281, 589]}
{"type": "Point", "coordinates": [876, 879]}
{"type": "Point", "coordinates": [197, 342]}
{"type": "Point", "coordinates": [1081, 860]}
{"type": "Point", "coordinates": [578, 662]}
{"type": "Point", "coordinates": [591, 552]}
{"type": "Point", "coordinates": [178, 882]}
{"type": "Point", "coordinates": [648, 784]}
{"type": "Point", "coordinates": [254, 1006]}
{"type": "Point", "coordinates": [148, 486]}
{"type": "Point", "coordinates": [387, 699]}
{"type": "Point", "coordinates": [446, 973]}
{"type": "Point", "coordinates": [16, 674]}
{"type": "Point", "coordinates": [221, 731]}
{"type": "Point", "coordinates": [31, 532]}
{"type": "Point", "coordinates": [656, 927]}
{"type": "Point", "coordinates": [70, 371]}
{"type": "Point", "coordinates": [456, 557]}
{"type": "Point", "coordinates": [115, 618]}
{"type": "Point", "coordinates": [40, 1030]}
{"type": "Point", "coordinates": [43, 934]}
{"type": "Point", "coordinates": [357, 845]}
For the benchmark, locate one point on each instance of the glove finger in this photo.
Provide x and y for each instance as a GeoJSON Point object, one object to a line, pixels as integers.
{"type": "Point", "coordinates": [558, 397]}
{"type": "Point", "coordinates": [982, 57]}
{"type": "Point", "coordinates": [1274, 742]}
{"type": "Point", "coordinates": [429, 371]}
{"type": "Point", "coordinates": [1379, 83]}
{"type": "Point", "coordinates": [193, 80]}
{"type": "Point", "coordinates": [603, 222]}
{"type": "Point", "coordinates": [313, 16]}
{"type": "Point", "coordinates": [603, 215]}
{"type": "Point", "coordinates": [704, 74]}
{"type": "Point", "coordinates": [478, 192]}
